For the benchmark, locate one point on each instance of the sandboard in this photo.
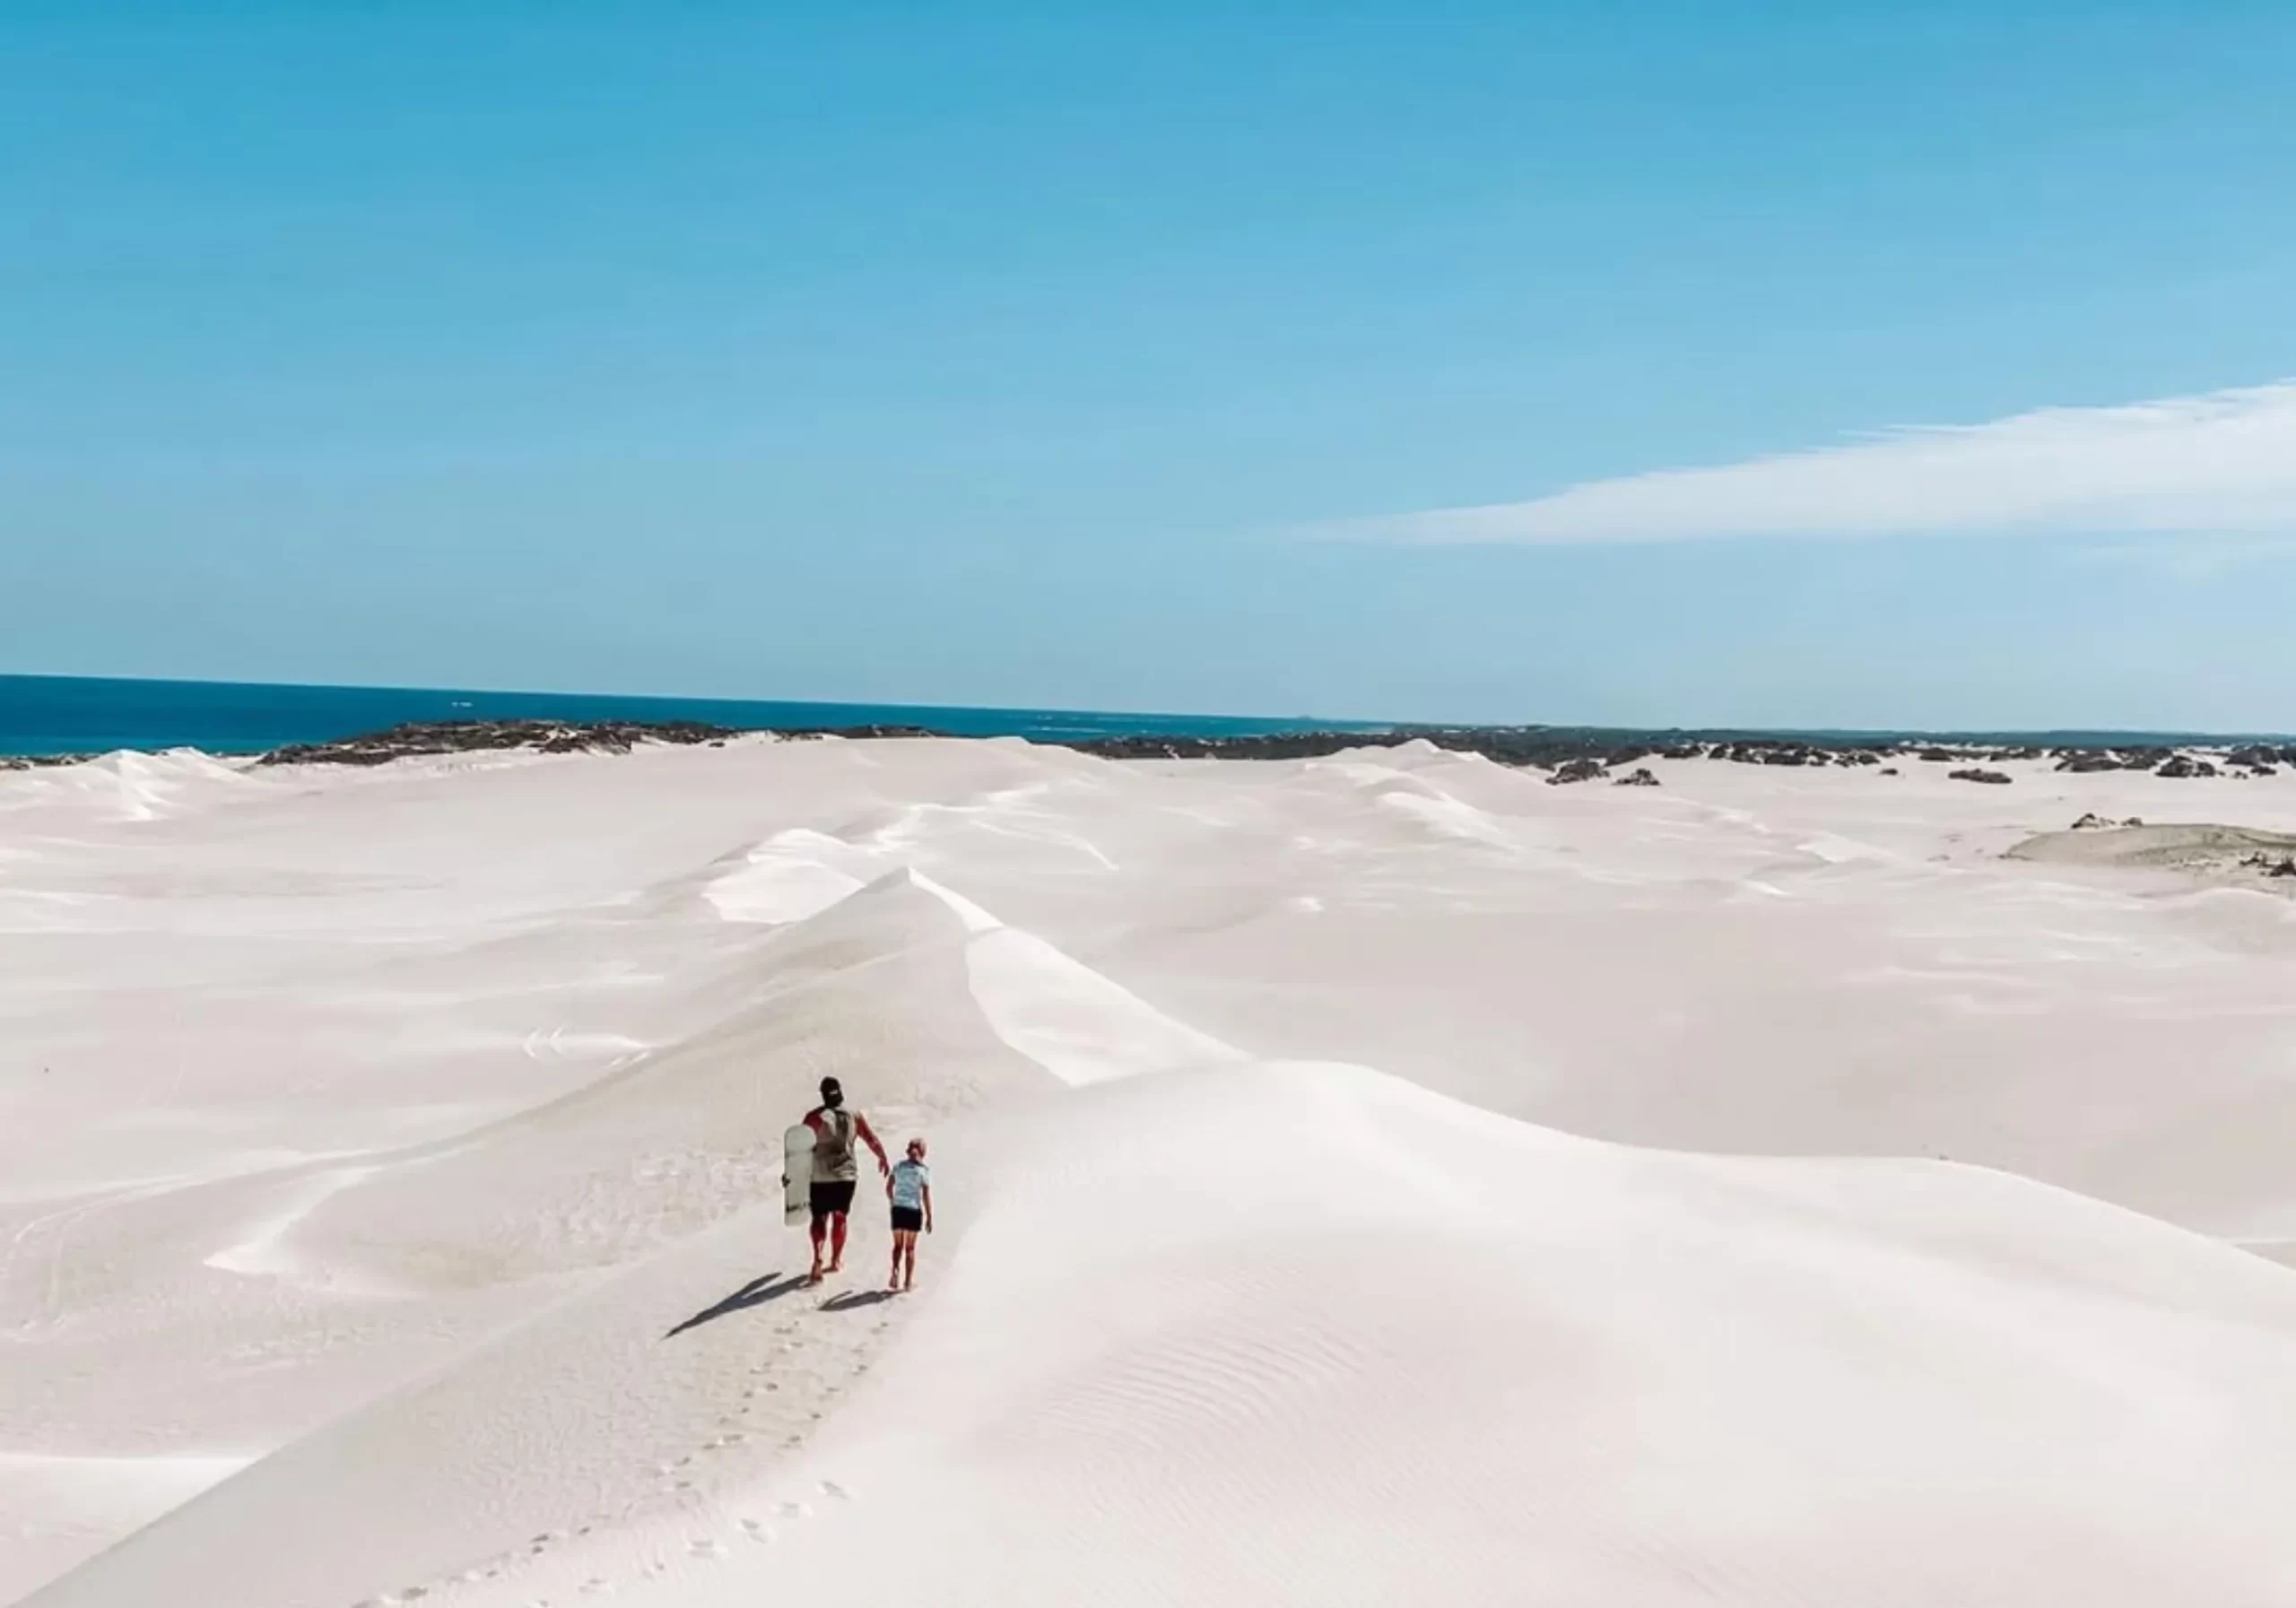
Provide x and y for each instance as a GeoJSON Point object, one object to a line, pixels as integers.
{"type": "Point", "coordinates": [796, 1173]}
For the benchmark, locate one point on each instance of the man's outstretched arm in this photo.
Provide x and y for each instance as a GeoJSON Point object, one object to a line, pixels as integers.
{"type": "Point", "coordinates": [861, 1125]}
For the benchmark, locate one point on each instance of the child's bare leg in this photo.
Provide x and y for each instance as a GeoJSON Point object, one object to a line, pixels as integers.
{"type": "Point", "coordinates": [893, 1280]}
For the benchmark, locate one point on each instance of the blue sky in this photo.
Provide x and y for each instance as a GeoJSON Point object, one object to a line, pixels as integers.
{"type": "Point", "coordinates": [1143, 359]}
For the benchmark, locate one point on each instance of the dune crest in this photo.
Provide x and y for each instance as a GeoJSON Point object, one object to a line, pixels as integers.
{"type": "Point", "coordinates": [393, 1215]}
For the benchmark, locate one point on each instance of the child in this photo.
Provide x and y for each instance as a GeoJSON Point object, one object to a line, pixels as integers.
{"type": "Point", "coordinates": [909, 1187]}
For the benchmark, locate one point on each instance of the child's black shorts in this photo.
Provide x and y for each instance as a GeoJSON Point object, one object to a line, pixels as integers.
{"type": "Point", "coordinates": [912, 1218]}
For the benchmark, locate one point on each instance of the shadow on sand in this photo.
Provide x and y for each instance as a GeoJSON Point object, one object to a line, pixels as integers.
{"type": "Point", "coordinates": [852, 1298]}
{"type": "Point", "coordinates": [764, 1288]}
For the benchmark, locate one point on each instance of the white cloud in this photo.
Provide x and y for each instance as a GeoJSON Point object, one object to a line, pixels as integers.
{"type": "Point", "coordinates": [2214, 464]}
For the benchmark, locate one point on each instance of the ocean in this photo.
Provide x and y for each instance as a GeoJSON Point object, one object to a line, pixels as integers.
{"type": "Point", "coordinates": [49, 715]}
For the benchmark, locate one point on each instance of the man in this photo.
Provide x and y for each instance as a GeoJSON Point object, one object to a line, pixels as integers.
{"type": "Point", "coordinates": [835, 1172]}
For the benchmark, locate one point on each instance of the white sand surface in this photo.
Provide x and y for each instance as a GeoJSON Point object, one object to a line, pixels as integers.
{"type": "Point", "coordinates": [391, 1157]}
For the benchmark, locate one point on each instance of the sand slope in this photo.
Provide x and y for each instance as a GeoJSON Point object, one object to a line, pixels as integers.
{"type": "Point", "coordinates": [382, 1137]}
{"type": "Point", "coordinates": [1406, 1351]}
{"type": "Point", "coordinates": [1403, 1347]}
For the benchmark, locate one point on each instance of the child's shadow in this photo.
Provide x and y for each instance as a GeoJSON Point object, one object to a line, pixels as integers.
{"type": "Point", "coordinates": [766, 1287]}
{"type": "Point", "coordinates": [853, 1300]}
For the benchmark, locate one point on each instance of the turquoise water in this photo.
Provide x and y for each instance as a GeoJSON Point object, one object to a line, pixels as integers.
{"type": "Point", "coordinates": [62, 715]}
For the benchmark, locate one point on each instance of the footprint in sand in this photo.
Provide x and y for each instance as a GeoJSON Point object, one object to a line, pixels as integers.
{"type": "Point", "coordinates": [759, 1531]}
{"type": "Point", "coordinates": [706, 1547]}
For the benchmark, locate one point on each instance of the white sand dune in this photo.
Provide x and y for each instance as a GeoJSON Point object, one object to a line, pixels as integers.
{"type": "Point", "coordinates": [1417, 1351]}
{"type": "Point", "coordinates": [404, 1146]}
{"type": "Point", "coordinates": [55, 1510]}
{"type": "Point", "coordinates": [2220, 853]}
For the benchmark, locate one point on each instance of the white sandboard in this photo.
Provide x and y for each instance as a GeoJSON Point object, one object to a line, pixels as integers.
{"type": "Point", "coordinates": [796, 1173]}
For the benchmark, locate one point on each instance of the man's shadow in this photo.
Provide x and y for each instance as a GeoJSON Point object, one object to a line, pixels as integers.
{"type": "Point", "coordinates": [766, 1287]}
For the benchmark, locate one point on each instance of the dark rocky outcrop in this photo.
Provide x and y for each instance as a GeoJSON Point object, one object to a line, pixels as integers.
{"type": "Point", "coordinates": [484, 736]}
{"type": "Point", "coordinates": [1639, 776]}
{"type": "Point", "coordinates": [1774, 753]}
{"type": "Point", "coordinates": [1544, 748]}
{"type": "Point", "coordinates": [1576, 770]}
{"type": "Point", "coordinates": [1976, 774]}
{"type": "Point", "coordinates": [2081, 761]}
{"type": "Point", "coordinates": [2181, 766]}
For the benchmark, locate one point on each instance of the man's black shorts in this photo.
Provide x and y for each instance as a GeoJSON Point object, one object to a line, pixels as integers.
{"type": "Point", "coordinates": [835, 1194]}
{"type": "Point", "coordinates": [912, 1218]}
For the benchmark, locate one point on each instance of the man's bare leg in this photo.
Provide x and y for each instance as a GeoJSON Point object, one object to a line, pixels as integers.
{"type": "Point", "coordinates": [836, 1241]}
{"type": "Point", "coordinates": [820, 1228]}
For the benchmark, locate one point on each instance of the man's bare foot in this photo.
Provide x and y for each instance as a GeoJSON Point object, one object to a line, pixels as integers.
{"type": "Point", "coordinates": [813, 1277]}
